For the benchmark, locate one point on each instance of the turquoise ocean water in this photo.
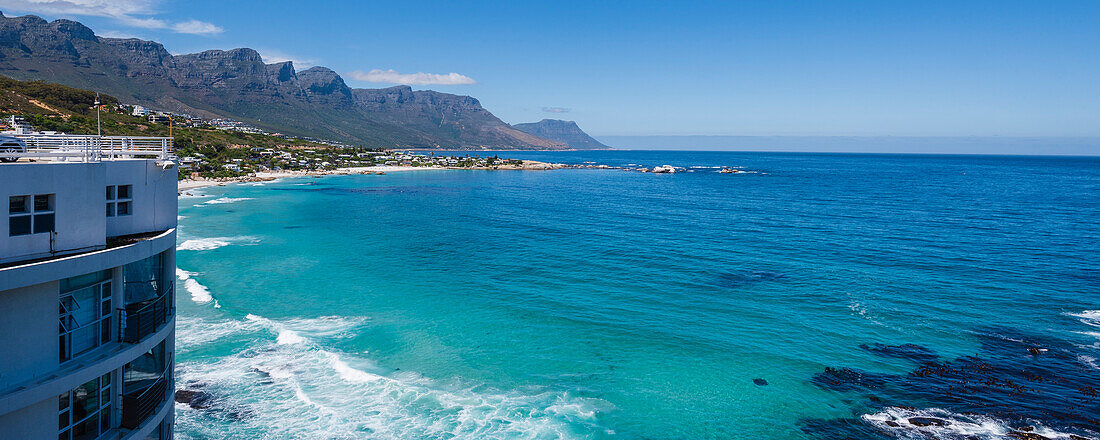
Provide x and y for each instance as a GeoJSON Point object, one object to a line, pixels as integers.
{"type": "Point", "coordinates": [615, 304]}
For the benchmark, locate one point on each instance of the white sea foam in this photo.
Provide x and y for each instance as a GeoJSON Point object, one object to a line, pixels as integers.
{"type": "Point", "coordinates": [192, 333]}
{"type": "Point", "coordinates": [959, 426]}
{"type": "Point", "coordinates": [199, 293]}
{"type": "Point", "coordinates": [1089, 317]}
{"type": "Point", "coordinates": [306, 389]}
{"type": "Point", "coordinates": [207, 244]}
{"type": "Point", "coordinates": [1093, 334]}
{"type": "Point", "coordinates": [202, 244]}
{"type": "Point", "coordinates": [224, 200]}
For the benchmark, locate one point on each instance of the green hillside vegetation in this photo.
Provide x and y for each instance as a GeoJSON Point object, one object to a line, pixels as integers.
{"type": "Point", "coordinates": [61, 108]}
{"type": "Point", "coordinates": [54, 107]}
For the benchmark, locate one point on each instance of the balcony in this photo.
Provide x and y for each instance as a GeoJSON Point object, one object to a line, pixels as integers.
{"type": "Point", "coordinates": [142, 319]}
{"type": "Point", "coordinates": [139, 405]}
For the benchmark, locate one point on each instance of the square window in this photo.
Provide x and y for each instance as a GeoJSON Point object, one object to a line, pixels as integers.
{"type": "Point", "coordinates": [20, 225]}
{"type": "Point", "coordinates": [124, 191]}
{"type": "Point", "coordinates": [123, 208]}
{"type": "Point", "coordinates": [43, 223]}
{"type": "Point", "coordinates": [17, 204]}
{"type": "Point", "coordinates": [110, 193]}
{"type": "Point", "coordinates": [110, 209]}
{"type": "Point", "coordinates": [42, 202]}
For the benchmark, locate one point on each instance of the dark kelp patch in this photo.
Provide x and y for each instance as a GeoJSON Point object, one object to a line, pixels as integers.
{"type": "Point", "coordinates": [1034, 386]}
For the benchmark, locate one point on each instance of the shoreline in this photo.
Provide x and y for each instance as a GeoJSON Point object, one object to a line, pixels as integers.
{"type": "Point", "coordinates": [267, 176]}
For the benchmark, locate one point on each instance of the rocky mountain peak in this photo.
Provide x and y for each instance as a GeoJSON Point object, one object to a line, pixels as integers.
{"type": "Point", "coordinates": [238, 84]}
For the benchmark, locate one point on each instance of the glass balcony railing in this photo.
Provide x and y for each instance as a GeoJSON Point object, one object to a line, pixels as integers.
{"type": "Point", "coordinates": [142, 319]}
{"type": "Point", "coordinates": [139, 405]}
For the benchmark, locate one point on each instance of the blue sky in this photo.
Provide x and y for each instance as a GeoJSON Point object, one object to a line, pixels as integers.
{"type": "Point", "coordinates": [840, 68]}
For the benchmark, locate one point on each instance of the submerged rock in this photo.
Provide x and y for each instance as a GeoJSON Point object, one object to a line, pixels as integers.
{"type": "Point", "coordinates": [928, 421]}
{"type": "Point", "coordinates": [912, 352]}
{"type": "Point", "coordinates": [760, 382]}
{"type": "Point", "coordinates": [194, 398]}
{"type": "Point", "coordinates": [1027, 436]}
{"type": "Point", "coordinates": [1011, 381]}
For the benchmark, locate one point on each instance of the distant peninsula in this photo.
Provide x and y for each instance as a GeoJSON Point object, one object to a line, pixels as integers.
{"type": "Point", "coordinates": [566, 132]}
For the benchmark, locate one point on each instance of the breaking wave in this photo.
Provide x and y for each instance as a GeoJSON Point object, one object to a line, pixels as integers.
{"type": "Point", "coordinates": [225, 200]}
{"type": "Point", "coordinates": [289, 383]}
{"type": "Point", "coordinates": [199, 293]}
{"type": "Point", "coordinates": [934, 423]}
{"type": "Point", "coordinates": [207, 244]}
{"type": "Point", "coordinates": [1088, 317]}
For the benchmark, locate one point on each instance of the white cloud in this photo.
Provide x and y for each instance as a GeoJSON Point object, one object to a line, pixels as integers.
{"type": "Point", "coordinates": [557, 109]}
{"type": "Point", "coordinates": [118, 34]}
{"type": "Point", "coordinates": [394, 77]}
{"type": "Point", "coordinates": [134, 13]}
{"type": "Point", "coordinates": [196, 27]}
{"type": "Point", "coordinates": [275, 56]}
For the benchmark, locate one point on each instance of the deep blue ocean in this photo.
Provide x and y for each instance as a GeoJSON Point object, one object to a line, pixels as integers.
{"type": "Point", "coordinates": [814, 296]}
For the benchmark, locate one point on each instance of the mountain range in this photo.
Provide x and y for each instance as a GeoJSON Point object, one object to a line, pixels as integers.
{"type": "Point", "coordinates": [237, 84]}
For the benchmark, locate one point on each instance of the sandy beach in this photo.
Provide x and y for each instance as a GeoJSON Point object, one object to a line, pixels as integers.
{"type": "Point", "coordinates": [263, 176]}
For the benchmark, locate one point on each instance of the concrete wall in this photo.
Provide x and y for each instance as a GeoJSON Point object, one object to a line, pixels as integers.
{"type": "Point", "coordinates": [29, 343]}
{"type": "Point", "coordinates": [154, 203]}
{"type": "Point", "coordinates": [80, 221]}
{"type": "Point", "coordinates": [32, 422]}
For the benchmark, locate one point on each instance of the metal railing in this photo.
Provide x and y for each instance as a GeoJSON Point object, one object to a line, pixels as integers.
{"type": "Point", "coordinates": [139, 405]}
{"type": "Point", "coordinates": [137, 321]}
{"type": "Point", "coordinates": [93, 148]}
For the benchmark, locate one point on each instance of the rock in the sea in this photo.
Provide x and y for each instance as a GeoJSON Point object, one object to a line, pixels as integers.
{"type": "Point", "coordinates": [1027, 435]}
{"type": "Point", "coordinates": [928, 421]}
{"type": "Point", "coordinates": [760, 382]}
{"type": "Point", "coordinates": [194, 398]}
{"type": "Point", "coordinates": [664, 169]}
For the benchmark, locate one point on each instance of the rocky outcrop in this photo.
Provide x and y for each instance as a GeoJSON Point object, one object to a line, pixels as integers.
{"type": "Point", "coordinates": [566, 132]}
{"type": "Point", "coordinates": [238, 84]}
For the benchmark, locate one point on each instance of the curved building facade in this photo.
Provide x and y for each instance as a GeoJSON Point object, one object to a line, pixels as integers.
{"type": "Point", "coordinates": [87, 300]}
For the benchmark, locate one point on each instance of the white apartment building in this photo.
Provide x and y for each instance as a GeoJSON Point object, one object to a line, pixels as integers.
{"type": "Point", "coordinates": [87, 310]}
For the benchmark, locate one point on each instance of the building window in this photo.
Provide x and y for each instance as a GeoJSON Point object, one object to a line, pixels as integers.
{"type": "Point", "coordinates": [145, 386]}
{"type": "Point", "coordinates": [84, 314]}
{"type": "Point", "coordinates": [147, 299]}
{"type": "Point", "coordinates": [85, 412]}
{"type": "Point", "coordinates": [30, 214]}
{"type": "Point", "coordinates": [119, 200]}
{"type": "Point", "coordinates": [143, 280]}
